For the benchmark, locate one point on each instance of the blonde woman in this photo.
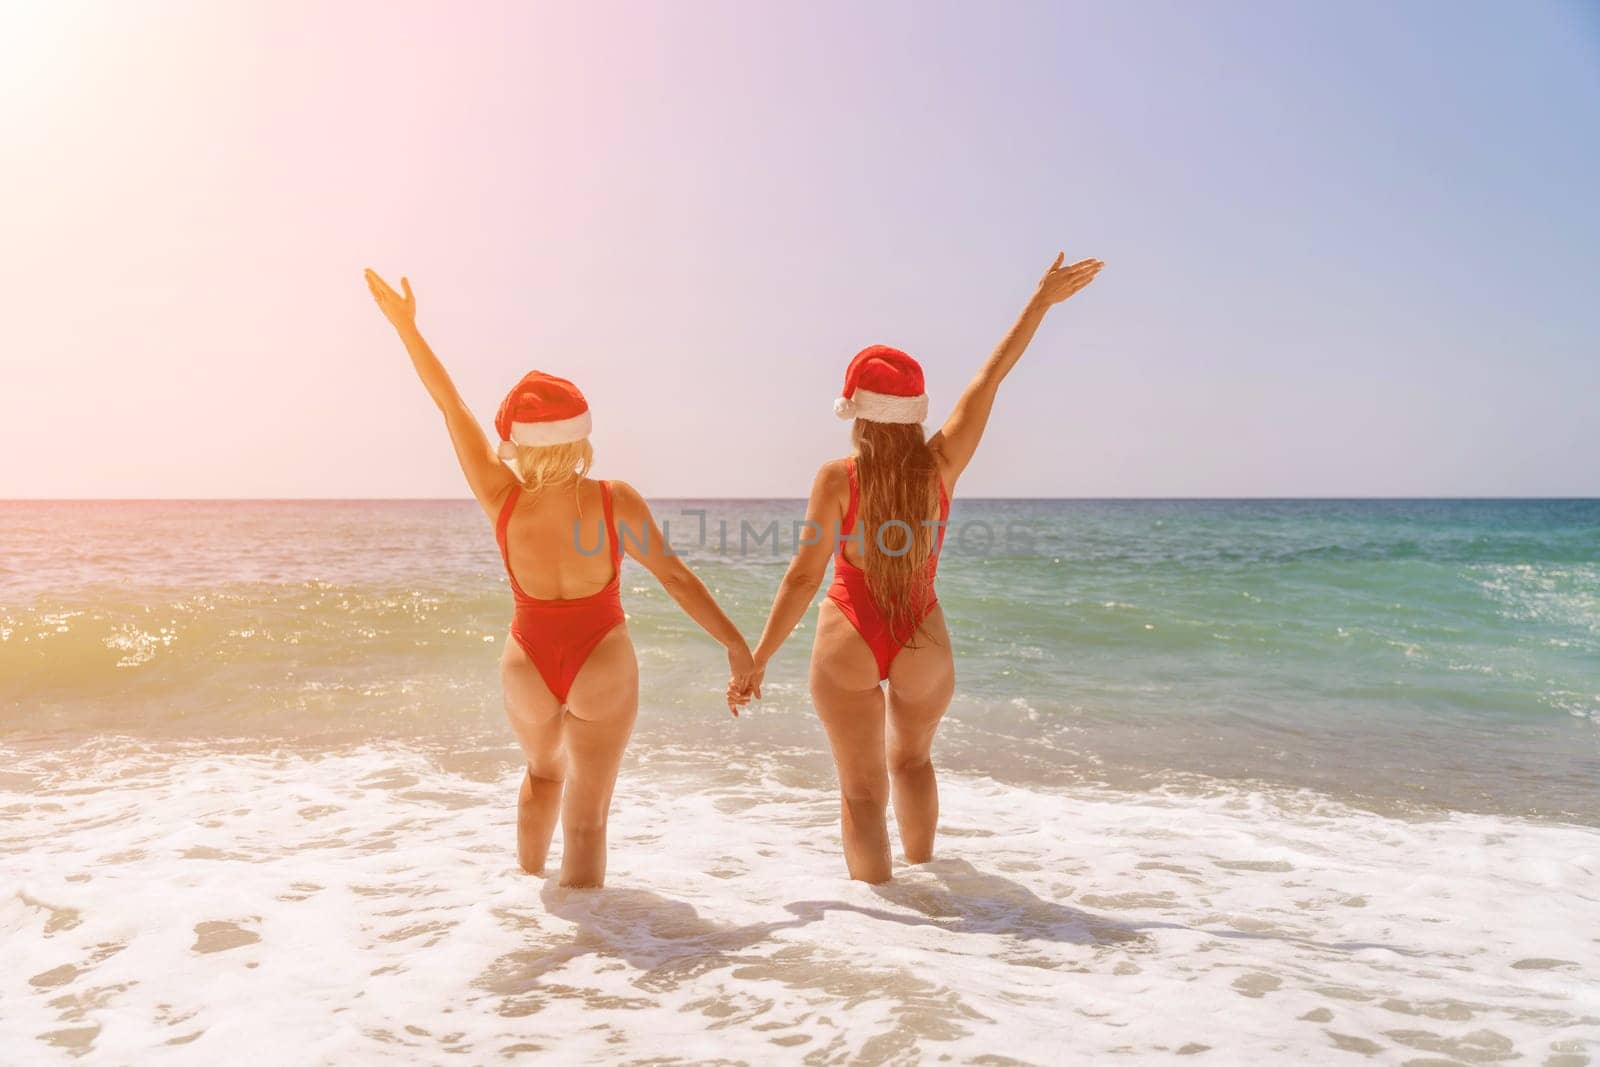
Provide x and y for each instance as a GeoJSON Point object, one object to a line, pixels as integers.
{"type": "Point", "coordinates": [879, 513]}
{"type": "Point", "coordinates": [568, 670]}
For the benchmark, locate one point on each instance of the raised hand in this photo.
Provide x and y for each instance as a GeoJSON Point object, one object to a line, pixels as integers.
{"type": "Point", "coordinates": [1061, 282]}
{"type": "Point", "coordinates": [401, 311]}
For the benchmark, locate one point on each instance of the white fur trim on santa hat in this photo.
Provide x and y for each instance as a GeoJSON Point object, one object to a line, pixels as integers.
{"type": "Point", "coordinates": [882, 407]}
{"type": "Point", "coordinates": [535, 434]}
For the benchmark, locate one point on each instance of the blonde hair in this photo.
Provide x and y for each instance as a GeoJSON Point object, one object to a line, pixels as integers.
{"type": "Point", "coordinates": [541, 467]}
{"type": "Point", "coordinates": [898, 476]}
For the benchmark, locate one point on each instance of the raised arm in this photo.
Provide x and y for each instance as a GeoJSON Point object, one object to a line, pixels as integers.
{"type": "Point", "coordinates": [636, 529]}
{"type": "Point", "coordinates": [489, 478]}
{"type": "Point", "coordinates": [824, 513]}
{"type": "Point", "coordinates": [958, 439]}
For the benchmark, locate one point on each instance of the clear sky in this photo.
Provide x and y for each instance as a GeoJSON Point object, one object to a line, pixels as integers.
{"type": "Point", "coordinates": [1351, 248]}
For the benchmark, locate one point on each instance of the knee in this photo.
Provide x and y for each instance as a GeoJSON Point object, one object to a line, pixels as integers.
{"type": "Point", "coordinates": [541, 781]}
{"type": "Point", "coordinates": [906, 763]}
{"type": "Point", "coordinates": [580, 824]}
{"type": "Point", "coordinates": [863, 795]}
{"type": "Point", "coordinates": [547, 770]}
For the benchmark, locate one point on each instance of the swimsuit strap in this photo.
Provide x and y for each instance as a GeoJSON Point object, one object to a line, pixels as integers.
{"type": "Point", "coordinates": [505, 516]}
{"type": "Point", "coordinates": [500, 531]}
{"type": "Point", "coordinates": [855, 499]}
{"type": "Point", "coordinates": [611, 527]}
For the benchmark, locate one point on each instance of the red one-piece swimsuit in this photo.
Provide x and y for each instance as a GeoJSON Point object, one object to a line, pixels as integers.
{"type": "Point", "coordinates": [849, 589]}
{"type": "Point", "coordinates": [558, 635]}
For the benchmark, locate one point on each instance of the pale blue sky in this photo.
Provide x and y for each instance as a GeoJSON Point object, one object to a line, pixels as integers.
{"type": "Point", "coordinates": [1351, 249]}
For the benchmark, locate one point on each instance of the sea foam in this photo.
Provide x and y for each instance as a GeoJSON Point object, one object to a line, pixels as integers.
{"type": "Point", "coordinates": [170, 904]}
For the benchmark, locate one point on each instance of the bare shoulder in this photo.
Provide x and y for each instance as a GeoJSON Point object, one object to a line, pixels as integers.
{"type": "Point", "coordinates": [494, 502]}
{"type": "Point", "coordinates": [835, 470]}
{"type": "Point", "coordinates": [948, 471]}
{"type": "Point", "coordinates": [626, 499]}
{"type": "Point", "coordinates": [830, 493]}
{"type": "Point", "coordinates": [832, 477]}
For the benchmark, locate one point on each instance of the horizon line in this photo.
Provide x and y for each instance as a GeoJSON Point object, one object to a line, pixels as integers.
{"type": "Point", "coordinates": [740, 499]}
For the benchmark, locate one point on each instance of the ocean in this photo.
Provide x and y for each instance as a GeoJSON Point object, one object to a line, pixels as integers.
{"type": "Point", "coordinates": [1255, 781]}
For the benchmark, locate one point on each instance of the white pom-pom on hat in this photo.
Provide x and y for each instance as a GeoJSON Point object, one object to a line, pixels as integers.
{"type": "Point", "coordinates": [844, 407]}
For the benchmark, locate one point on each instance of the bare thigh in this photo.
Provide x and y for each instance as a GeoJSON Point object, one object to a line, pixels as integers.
{"type": "Point", "coordinates": [922, 680]}
{"type": "Point", "coordinates": [533, 711]}
{"type": "Point", "coordinates": [603, 702]}
{"type": "Point", "coordinates": [849, 701]}
{"type": "Point", "coordinates": [601, 709]}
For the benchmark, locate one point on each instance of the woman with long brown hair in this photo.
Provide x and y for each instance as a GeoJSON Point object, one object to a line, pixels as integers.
{"type": "Point", "coordinates": [885, 506]}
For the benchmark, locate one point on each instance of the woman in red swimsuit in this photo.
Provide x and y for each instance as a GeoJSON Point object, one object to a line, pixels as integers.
{"type": "Point", "coordinates": [880, 515]}
{"type": "Point", "coordinates": [568, 670]}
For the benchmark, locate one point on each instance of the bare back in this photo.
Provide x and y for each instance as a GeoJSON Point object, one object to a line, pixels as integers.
{"type": "Point", "coordinates": [549, 557]}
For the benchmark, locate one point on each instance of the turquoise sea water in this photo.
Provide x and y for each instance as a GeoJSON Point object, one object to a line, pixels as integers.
{"type": "Point", "coordinates": [1264, 781]}
{"type": "Point", "coordinates": [1435, 652]}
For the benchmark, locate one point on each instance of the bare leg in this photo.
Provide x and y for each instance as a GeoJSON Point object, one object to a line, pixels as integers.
{"type": "Point", "coordinates": [538, 804]}
{"type": "Point", "coordinates": [535, 716]}
{"type": "Point", "coordinates": [601, 709]}
{"type": "Point", "coordinates": [844, 687]}
{"type": "Point", "coordinates": [921, 681]}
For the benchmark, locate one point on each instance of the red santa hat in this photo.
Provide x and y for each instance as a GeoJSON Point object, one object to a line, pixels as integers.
{"type": "Point", "coordinates": [883, 384]}
{"type": "Point", "coordinates": [541, 410]}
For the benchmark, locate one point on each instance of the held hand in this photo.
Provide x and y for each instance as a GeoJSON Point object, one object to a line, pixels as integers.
{"type": "Point", "coordinates": [401, 311]}
{"type": "Point", "coordinates": [741, 671]}
{"type": "Point", "coordinates": [1061, 282]}
{"type": "Point", "coordinates": [741, 691]}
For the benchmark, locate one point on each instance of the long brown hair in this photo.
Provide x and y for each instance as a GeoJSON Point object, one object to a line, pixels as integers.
{"type": "Point", "coordinates": [899, 478]}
